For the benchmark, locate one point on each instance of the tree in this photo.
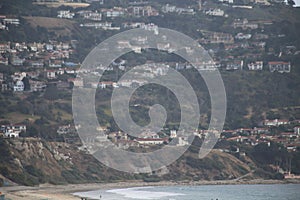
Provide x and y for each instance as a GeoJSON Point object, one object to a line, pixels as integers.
{"type": "Point", "coordinates": [26, 84]}
{"type": "Point", "coordinates": [291, 2]}
{"type": "Point", "coordinates": [30, 132]}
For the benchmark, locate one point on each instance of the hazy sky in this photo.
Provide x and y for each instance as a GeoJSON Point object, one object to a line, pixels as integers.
{"type": "Point", "coordinates": [296, 1]}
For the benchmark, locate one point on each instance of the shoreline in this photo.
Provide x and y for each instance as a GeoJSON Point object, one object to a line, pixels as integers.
{"type": "Point", "coordinates": [58, 192]}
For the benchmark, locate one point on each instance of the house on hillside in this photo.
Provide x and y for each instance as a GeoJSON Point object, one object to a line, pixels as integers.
{"type": "Point", "coordinates": [280, 66]}
{"type": "Point", "coordinates": [113, 12]}
{"type": "Point", "coordinates": [151, 141]}
{"type": "Point", "coordinates": [275, 122]}
{"type": "Point", "coordinates": [115, 136]}
{"type": "Point", "coordinates": [125, 144]}
{"type": "Point", "coordinates": [168, 8]}
{"type": "Point", "coordinates": [215, 12]}
{"type": "Point", "coordinates": [226, 1]}
{"type": "Point", "coordinates": [13, 21]}
{"type": "Point", "coordinates": [257, 65]}
{"type": "Point", "coordinates": [133, 24]}
{"type": "Point", "coordinates": [50, 74]}
{"type": "Point", "coordinates": [143, 11]}
{"type": "Point", "coordinates": [217, 37]}
{"type": "Point", "coordinates": [288, 135]}
{"type": "Point", "coordinates": [105, 84]}
{"type": "Point", "coordinates": [66, 129]}
{"type": "Point", "coordinates": [87, 14]}
{"type": "Point", "coordinates": [297, 130]}
{"type": "Point", "coordinates": [37, 86]}
{"type": "Point", "coordinates": [16, 61]}
{"type": "Point", "coordinates": [3, 27]}
{"type": "Point", "coordinates": [242, 36]}
{"type": "Point", "coordinates": [12, 131]}
{"type": "Point", "coordinates": [173, 134]}
{"type": "Point", "coordinates": [18, 86]}
{"type": "Point", "coordinates": [65, 14]}
{"type": "Point", "coordinates": [235, 65]}
{"type": "Point", "coordinates": [262, 2]}
{"type": "Point", "coordinates": [36, 63]}
{"type": "Point", "coordinates": [182, 141]}
{"type": "Point", "coordinates": [256, 131]}
{"type": "Point", "coordinates": [55, 63]}
{"type": "Point", "coordinates": [244, 24]}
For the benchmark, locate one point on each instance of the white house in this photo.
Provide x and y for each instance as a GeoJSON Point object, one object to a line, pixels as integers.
{"type": "Point", "coordinates": [151, 27]}
{"type": "Point", "coordinates": [226, 1]}
{"type": "Point", "coordinates": [19, 86]}
{"type": "Point", "coordinates": [11, 21]}
{"type": "Point", "coordinates": [215, 12]}
{"type": "Point", "coordinates": [168, 8]}
{"type": "Point", "coordinates": [262, 2]}
{"type": "Point", "coordinates": [114, 12]}
{"type": "Point", "coordinates": [258, 65]}
{"type": "Point", "coordinates": [161, 70]}
{"type": "Point", "coordinates": [151, 141]}
{"type": "Point", "coordinates": [11, 134]}
{"type": "Point", "coordinates": [242, 36]}
{"type": "Point", "coordinates": [276, 122]}
{"type": "Point", "coordinates": [17, 76]}
{"type": "Point", "coordinates": [235, 65]}
{"type": "Point", "coordinates": [173, 134]}
{"type": "Point", "coordinates": [50, 74]}
{"type": "Point", "coordinates": [95, 16]}
{"type": "Point", "coordinates": [280, 67]}
{"type": "Point", "coordinates": [49, 47]}
{"type": "Point", "coordinates": [125, 83]}
{"type": "Point", "coordinates": [65, 14]}
{"type": "Point", "coordinates": [12, 130]}
{"type": "Point", "coordinates": [2, 27]}
{"type": "Point", "coordinates": [182, 141]}
{"type": "Point", "coordinates": [149, 135]}
{"type": "Point", "coordinates": [244, 24]}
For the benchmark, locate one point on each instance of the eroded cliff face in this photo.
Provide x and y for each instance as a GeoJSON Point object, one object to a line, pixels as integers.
{"type": "Point", "coordinates": [32, 161]}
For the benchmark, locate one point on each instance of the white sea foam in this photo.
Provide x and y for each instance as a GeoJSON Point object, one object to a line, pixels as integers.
{"type": "Point", "coordinates": [142, 193]}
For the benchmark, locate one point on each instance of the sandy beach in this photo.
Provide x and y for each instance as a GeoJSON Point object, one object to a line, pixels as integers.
{"type": "Point", "coordinates": [59, 192]}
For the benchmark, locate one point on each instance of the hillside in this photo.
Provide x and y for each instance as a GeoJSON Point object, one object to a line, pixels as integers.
{"type": "Point", "coordinates": [49, 49]}
{"type": "Point", "coordinates": [32, 161]}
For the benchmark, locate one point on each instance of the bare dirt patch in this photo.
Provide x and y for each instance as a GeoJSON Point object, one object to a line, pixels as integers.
{"type": "Point", "coordinates": [57, 4]}
{"type": "Point", "coordinates": [59, 26]}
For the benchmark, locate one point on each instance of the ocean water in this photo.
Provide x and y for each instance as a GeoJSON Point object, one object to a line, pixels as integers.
{"type": "Point", "coordinates": [204, 192]}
